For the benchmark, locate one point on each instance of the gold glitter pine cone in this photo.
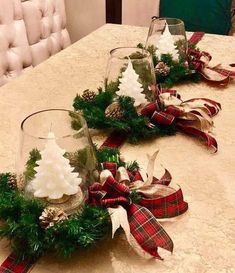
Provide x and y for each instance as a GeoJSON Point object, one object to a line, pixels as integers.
{"type": "Point", "coordinates": [162, 69]}
{"type": "Point", "coordinates": [114, 111]}
{"type": "Point", "coordinates": [12, 181]}
{"type": "Point", "coordinates": [50, 216]}
{"type": "Point", "coordinates": [88, 95]}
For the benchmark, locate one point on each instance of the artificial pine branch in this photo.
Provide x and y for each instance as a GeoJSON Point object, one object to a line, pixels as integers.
{"type": "Point", "coordinates": [179, 70]}
{"type": "Point", "coordinates": [34, 156]}
{"type": "Point", "coordinates": [20, 215]}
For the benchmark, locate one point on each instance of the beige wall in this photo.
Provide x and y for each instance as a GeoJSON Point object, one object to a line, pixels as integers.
{"type": "Point", "coordinates": [139, 12]}
{"type": "Point", "coordinates": [84, 16]}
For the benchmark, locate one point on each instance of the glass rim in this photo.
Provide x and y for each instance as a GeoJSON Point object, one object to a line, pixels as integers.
{"type": "Point", "coordinates": [112, 51]}
{"type": "Point", "coordinates": [179, 21]}
{"type": "Point", "coordinates": [22, 129]}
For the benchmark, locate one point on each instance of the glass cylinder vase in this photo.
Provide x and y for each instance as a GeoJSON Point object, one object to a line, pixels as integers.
{"type": "Point", "coordinates": [56, 159]}
{"type": "Point", "coordinates": [167, 36]}
{"type": "Point", "coordinates": [141, 62]}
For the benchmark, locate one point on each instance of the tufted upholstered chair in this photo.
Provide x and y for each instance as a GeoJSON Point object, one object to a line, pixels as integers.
{"type": "Point", "coordinates": [45, 22]}
{"type": "Point", "coordinates": [30, 32]}
{"type": "Point", "coordinates": [15, 55]}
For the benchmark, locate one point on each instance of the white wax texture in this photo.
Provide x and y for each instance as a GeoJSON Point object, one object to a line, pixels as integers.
{"type": "Point", "coordinates": [55, 176]}
{"type": "Point", "coordinates": [129, 85]}
{"type": "Point", "coordinates": [166, 45]}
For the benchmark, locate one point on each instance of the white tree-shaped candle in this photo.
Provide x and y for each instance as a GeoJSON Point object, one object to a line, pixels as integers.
{"type": "Point", "coordinates": [54, 176]}
{"type": "Point", "coordinates": [129, 85]}
{"type": "Point", "coordinates": [166, 45]}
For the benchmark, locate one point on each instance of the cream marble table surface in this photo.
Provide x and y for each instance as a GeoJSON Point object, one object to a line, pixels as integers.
{"type": "Point", "coordinates": [204, 237]}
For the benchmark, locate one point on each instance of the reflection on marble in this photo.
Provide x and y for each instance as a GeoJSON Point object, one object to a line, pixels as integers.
{"type": "Point", "coordinates": [204, 237]}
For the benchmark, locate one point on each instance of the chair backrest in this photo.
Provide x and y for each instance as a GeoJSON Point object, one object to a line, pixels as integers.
{"type": "Point", "coordinates": [15, 55]}
{"type": "Point", "coordinates": [212, 16]}
{"type": "Point", "coordinates": [45, 22]}
{"type": "Point", "coordinates": [30, 32]}
{"type": "Point", "coordinates": [232, 32]}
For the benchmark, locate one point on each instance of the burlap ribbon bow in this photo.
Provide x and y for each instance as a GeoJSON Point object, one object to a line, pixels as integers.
{"type": "Point", "coordinates": [216, 75]}
{"type": "Point", "coordinates": [139, 221]}
{"type": "Point", "coordinates": [193, 116]}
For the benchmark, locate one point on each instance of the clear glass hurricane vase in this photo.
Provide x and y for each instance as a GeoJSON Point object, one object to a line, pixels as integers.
{"type": "Point", "coordinates": [56, 148]}
{"type": "Point", "coordinates": [142, 64]}
{"type": "Point", "coordinates": [168, 36]}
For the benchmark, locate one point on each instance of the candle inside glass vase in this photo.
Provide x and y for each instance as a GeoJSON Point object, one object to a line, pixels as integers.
{"type": "Point", "coordinates": [167, 36]}
{"type": "Point", "coordinates": [130, 71]}
{"type": "Point", "coordinates": [54, 176]}
{"type": "Point", "coordinates": [56, 165]}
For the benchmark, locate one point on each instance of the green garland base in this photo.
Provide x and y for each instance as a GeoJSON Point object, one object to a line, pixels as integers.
{"type": "Point", "coordinates": [135, 125]}
{"type": "Point", "coordinates": [180, 71]}
{"type": "Point", "coordinates": [20, 216]}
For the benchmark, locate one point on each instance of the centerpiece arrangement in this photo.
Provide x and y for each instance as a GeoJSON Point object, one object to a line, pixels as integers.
{"type": "Point", "coordinates": [136, 108]}
{"type": "Point", "coordinates": [67, 194]}
{"type": "Point", "coordinates": [121, 195]}
{"type": "Point", "coordinates": [177, 61]}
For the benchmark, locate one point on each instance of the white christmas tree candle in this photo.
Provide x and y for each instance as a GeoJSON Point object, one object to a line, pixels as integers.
{"type": "Point", "coordinates": [129, 85]}
{"type": "Point", "coordinates": [54, 175]}
{"type": "Point", "coordinates": [166, 45]}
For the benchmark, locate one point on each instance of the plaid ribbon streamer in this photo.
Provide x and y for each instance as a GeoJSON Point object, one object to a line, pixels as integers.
{"type": "Point", "coordinates": [11, 265]}
{"type": "Point", "coordinates": [196, 37]}
{"type": "Point", "coordinates": [147, 231]}
{"type": "Point", "coordinates": [115, 140]}
{"type": "Point", "coordinates": [142, 218]}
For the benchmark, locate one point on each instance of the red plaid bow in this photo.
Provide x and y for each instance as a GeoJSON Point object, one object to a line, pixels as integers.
{"type": "Point", "coordinates": [187, 122]}
{"type": "Point", "coordinates": [142, 218]}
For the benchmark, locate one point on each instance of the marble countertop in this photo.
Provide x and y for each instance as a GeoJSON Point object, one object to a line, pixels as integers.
{"type": "Point", "coordinates": [204, 237]}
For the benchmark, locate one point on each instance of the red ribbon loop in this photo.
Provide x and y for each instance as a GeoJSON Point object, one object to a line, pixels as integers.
{"type": "Point", "coordinates": [162, 118]}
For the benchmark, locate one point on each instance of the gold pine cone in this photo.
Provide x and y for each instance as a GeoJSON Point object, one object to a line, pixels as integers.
{"type": "Point", "coordinates": [162, 69]}
{"type": "Point", "coordinates": [50, 216]}
{"type": "Point", "coordinates": [12, 181]}
{"type": "Point", "coordinates": [114, 111]}
{"type": "Point", "coordinates": [88, 95]}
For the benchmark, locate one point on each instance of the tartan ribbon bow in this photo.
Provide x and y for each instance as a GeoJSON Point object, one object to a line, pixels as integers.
{"type": "Point", "coordinates": [200, 61]}
{"type": "Point", "coordinates": [139, 221]}
{"type": "Point", "coordinates": [193, 116]}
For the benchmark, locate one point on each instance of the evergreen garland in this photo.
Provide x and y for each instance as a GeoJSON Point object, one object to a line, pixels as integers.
{"type": "Point", "coordinates": [180, 71]}
{"type": "Point", "coordinates": [20, 215]}
{"type": "Point", "coordinates": [135, 125]}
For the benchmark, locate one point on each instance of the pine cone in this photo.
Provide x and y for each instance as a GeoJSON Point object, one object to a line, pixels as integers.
{"type": "Point", "coordinates": [12, 181]}
{"type": "Point", "coordinates": [88, 95]}
{"type": "Point", "coordinates": [20, 182]}
{"type": "Point", "coordinates": [162, 69]}
{"type": "Point", "coordinates": [114, 111]}
{"type": "Point", "coordinates": [50, 216]}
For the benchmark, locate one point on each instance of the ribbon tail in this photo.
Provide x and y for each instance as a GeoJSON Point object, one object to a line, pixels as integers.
{"type": "Point", "coordinates": [165, 179]}
{"type": "Point", "coordinates": [196, 37]}
{"type": "Point", "coordinates": [211, 141]}
{"type": "Point", "coordinates": [215, 77]}
{"type": "Point", "coordinates": [150, 168]}
{"type": "Point", "coordinates": [147, 231]}
{"type": "Point", "coordinates": [119, 219]}
{"type": "Point", "coordinates": [140, 251]}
